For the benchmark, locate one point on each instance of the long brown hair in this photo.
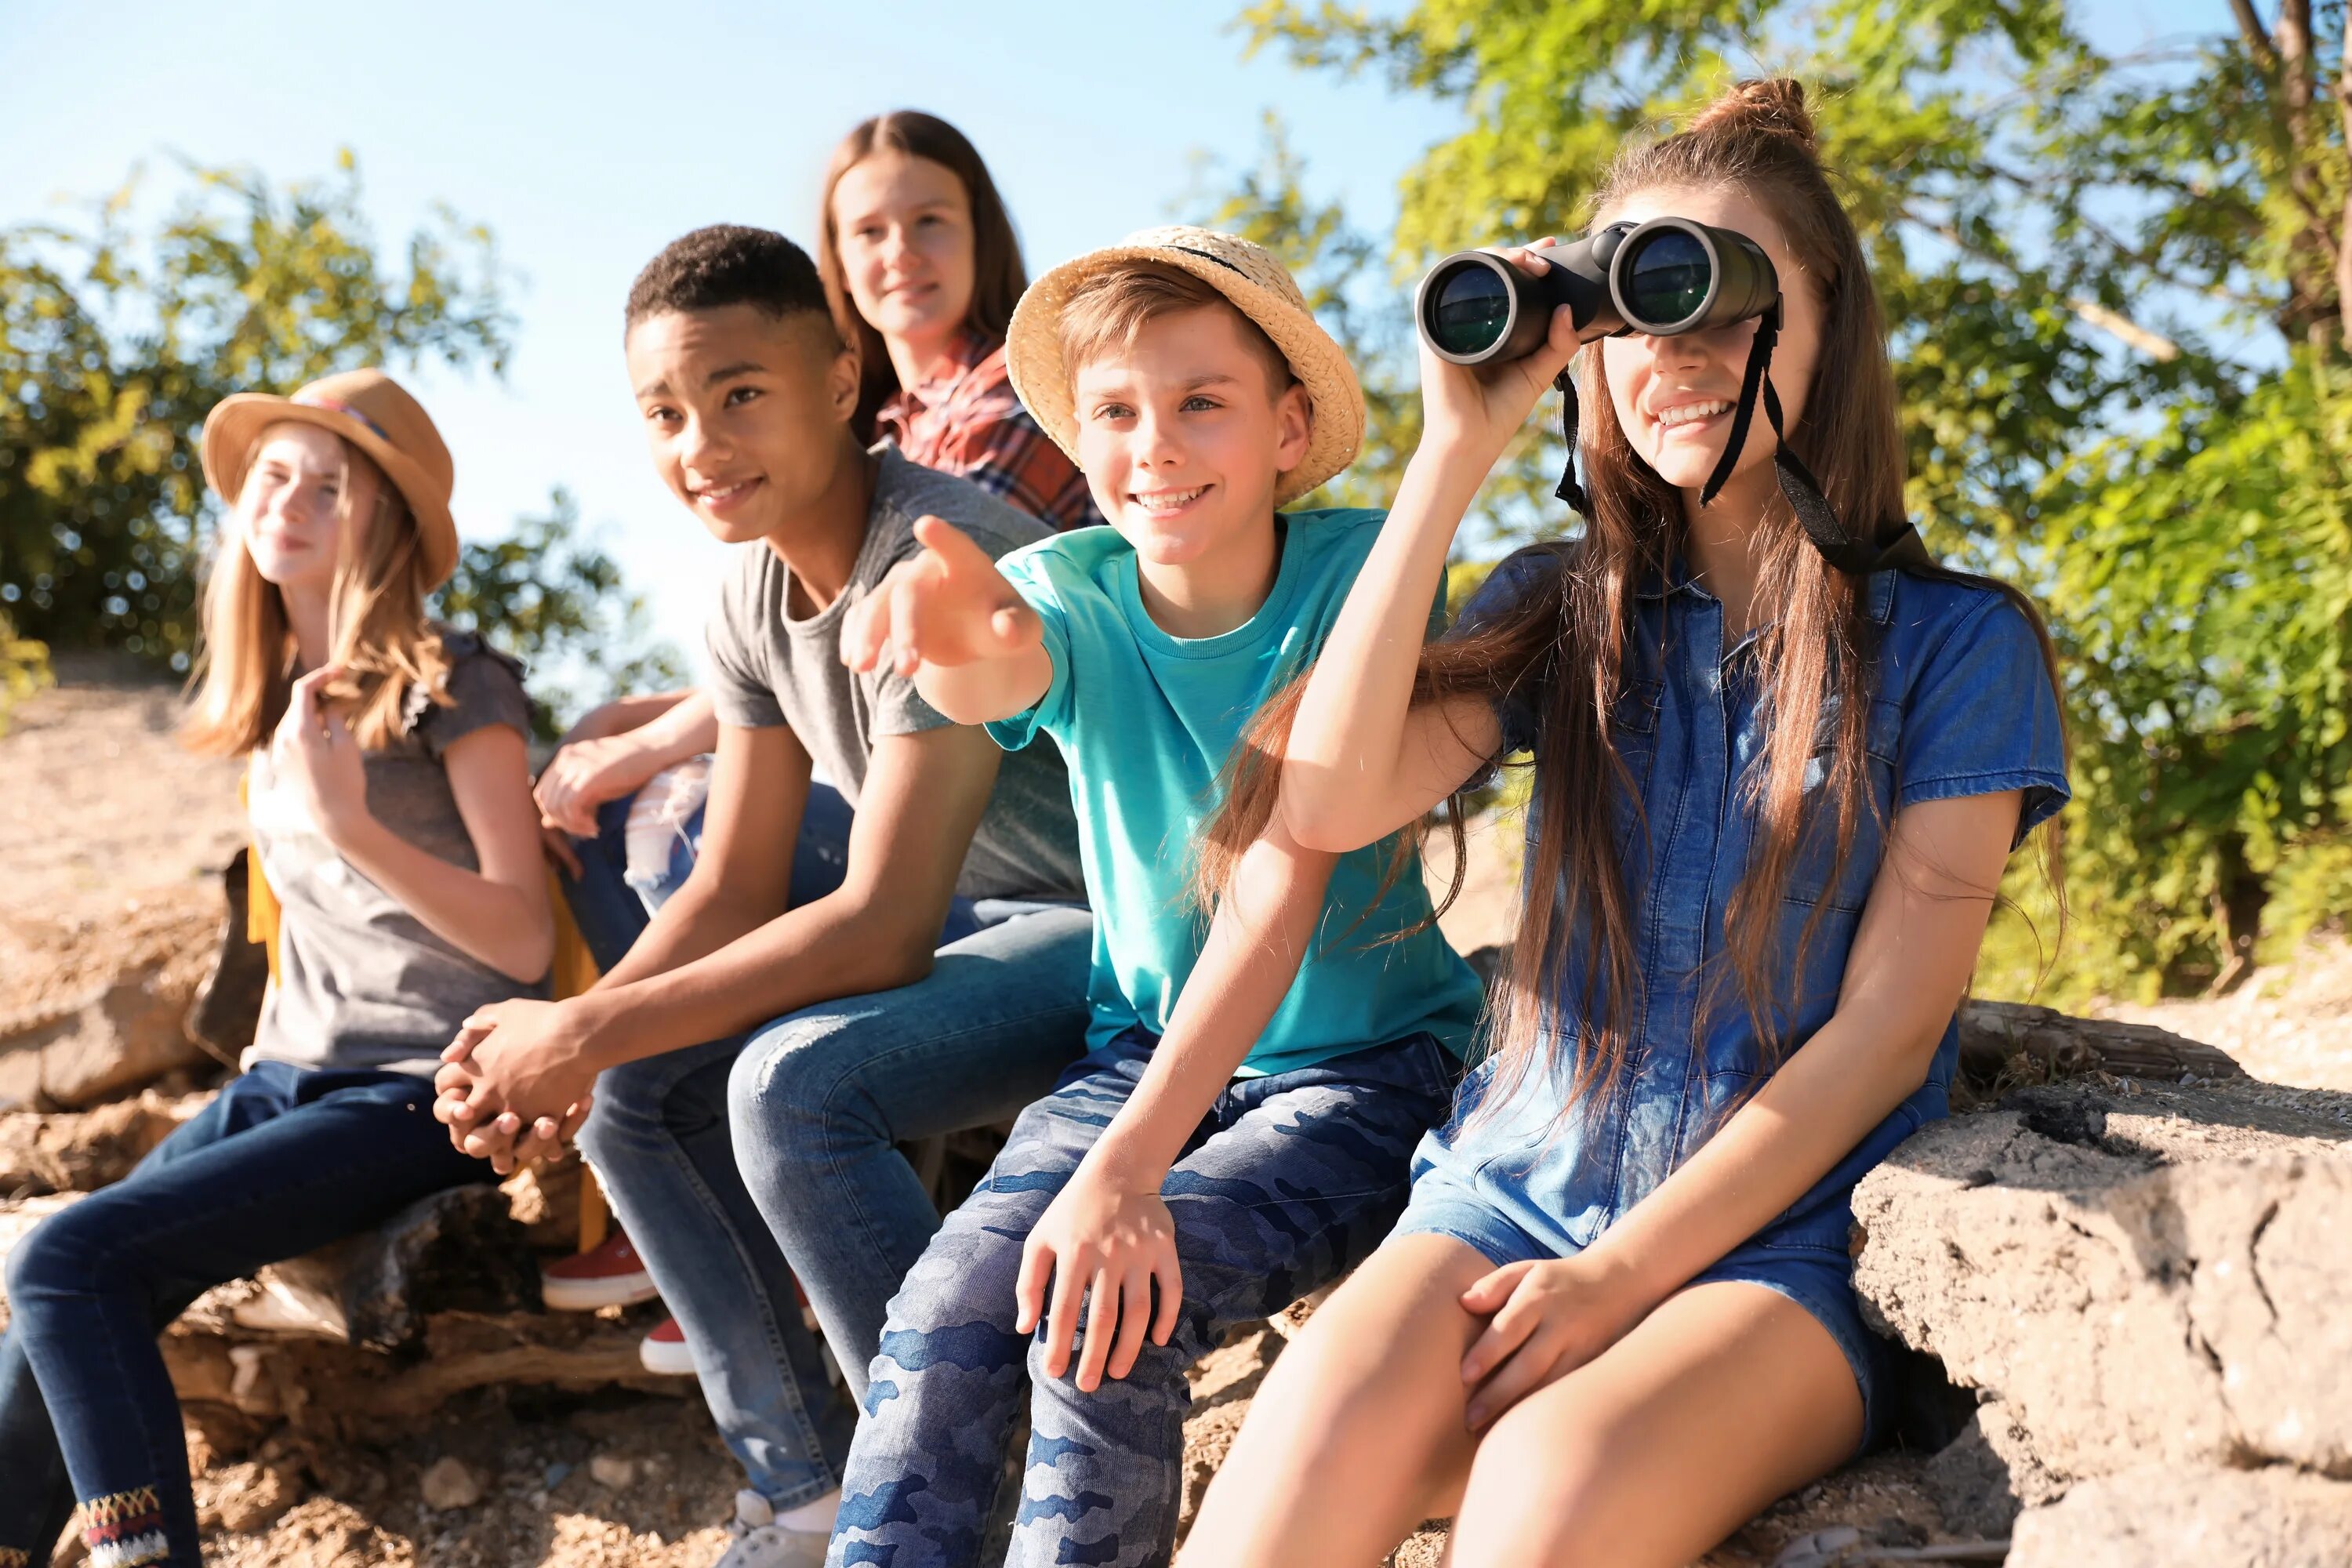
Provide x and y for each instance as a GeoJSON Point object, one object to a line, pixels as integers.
{"type": "Point", "coordinates": [998, 276]}
{"type": "Point", "coordinates": [245, 673]}
{"type": "Point", "coordinates": [1568, 637]}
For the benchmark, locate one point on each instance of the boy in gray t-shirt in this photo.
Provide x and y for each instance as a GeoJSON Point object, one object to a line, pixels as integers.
{"type": "Point", "coordinates": [770, 666]}
{"type": "Point", "coordinates": [768, 1041]}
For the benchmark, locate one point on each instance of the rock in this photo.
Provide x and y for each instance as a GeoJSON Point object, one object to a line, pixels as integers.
{"type": "Point", "coordinates": [612, 1470]}
{"type": "Point", "coordinates": [1978, 1486]}
{"type": "Point", "coordinates": [248, 1496]}
{"type": "Point", "coordinates": [449, 1483]}
{"type": "Point", "coordinates": [92, 1009]}
{"type": "Point", "coordinates": [2131, 1275]}
{"type": "Point", "coordinates": [82, 1151]}
{"type": "Point", "coordinates": [2158, 1516]}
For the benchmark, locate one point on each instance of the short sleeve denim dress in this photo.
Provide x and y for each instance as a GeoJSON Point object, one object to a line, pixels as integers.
{"type": "Point", "coordinates": [1961, 704]}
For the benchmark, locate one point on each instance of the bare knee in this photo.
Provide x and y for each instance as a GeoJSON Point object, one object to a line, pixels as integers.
{"type": "Point", "coordinates": [1539, 1497]}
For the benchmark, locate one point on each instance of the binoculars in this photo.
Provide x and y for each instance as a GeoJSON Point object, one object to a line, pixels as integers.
{"type": "Point", "coordinates": [1669, 275]}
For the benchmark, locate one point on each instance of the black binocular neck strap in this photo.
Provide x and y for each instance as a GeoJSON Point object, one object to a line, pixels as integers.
{"type": "Point", "coordinates": [1569, 490]}
{"type": "Point", "coordinates": [1840, 549]}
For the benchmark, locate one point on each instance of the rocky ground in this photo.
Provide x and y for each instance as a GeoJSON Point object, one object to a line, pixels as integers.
{"type": "Point", "coordinates": [2120, 1299]}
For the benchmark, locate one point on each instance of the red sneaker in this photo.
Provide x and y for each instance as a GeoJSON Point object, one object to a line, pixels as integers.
{"type": "Point", "coordinates": [663, 1351]}
{"type": "Point", "coordinates": [608, 1274]}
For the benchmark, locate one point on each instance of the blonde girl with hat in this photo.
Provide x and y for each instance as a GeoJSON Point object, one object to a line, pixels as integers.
{"type": "Point", "coordinates": [1777, 773]}
{"type": "Point", "coordinates": [1238, 1134]}
{"type": "Point", "coordinates": [389, 802]}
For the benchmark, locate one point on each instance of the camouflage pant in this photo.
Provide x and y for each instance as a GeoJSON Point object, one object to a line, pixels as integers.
{"type": "Point", "coordinates": [1289, 1181]}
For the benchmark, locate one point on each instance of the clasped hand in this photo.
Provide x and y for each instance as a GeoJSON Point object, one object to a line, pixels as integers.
{"type": "Point", "coordinates": [512, 1087]}
{"type": "Point", "coordinates": [1545, 1319]}
{"type": "Point", "coordinates": [1107, 1241]}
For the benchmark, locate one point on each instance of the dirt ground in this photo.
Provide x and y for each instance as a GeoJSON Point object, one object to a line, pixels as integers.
{"type": "Point", "coordinates": [100, 808]}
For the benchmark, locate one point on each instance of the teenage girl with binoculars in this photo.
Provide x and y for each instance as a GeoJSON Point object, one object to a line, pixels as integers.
{"type": "Point", "coordinates": [1779, 760]}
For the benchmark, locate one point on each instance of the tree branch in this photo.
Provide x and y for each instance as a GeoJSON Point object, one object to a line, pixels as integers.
{"type": "Point", "coordinates": [2257, 36]}
{"type": "Point", "coordinates": [2155, 345]}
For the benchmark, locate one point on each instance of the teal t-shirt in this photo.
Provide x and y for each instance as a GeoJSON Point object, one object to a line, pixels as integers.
{"type": "Point", "coordinates": [1146, 721]}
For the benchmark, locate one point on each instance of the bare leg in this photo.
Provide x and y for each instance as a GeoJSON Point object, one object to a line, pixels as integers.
{"type": "Point", "coordinates": [1725, 1397]}
{"type": "Point", "coordinates": [1357, 1434]}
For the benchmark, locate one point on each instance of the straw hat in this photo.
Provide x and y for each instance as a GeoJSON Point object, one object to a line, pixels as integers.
{"type": "Point", "coordinates": [1258, 286]}
{"type": "Point", "coordinates": [373, 412]}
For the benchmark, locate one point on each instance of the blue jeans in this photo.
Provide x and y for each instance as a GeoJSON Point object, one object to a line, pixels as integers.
{"type": "Point", "coordinates": [1288, 1182]}
{"type": "Point", "coordinates": [284, 1160]}
{"type": "Point", "coordinates": [724, 1160]}
{"type": "Point", "coordinates": [611, 910]}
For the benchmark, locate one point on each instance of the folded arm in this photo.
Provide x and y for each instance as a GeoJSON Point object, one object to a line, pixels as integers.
{"type": "Point", "coordinates": [615, 748]}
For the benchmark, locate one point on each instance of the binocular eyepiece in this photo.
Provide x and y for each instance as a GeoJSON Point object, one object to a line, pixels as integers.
{"type": "Point", "coordinates": [1669, 275]}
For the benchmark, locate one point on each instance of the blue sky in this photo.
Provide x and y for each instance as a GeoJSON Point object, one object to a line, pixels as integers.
{"type": "Point", "coordinates": [587, 135]}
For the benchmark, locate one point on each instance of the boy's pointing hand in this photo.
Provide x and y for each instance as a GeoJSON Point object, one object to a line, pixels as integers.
{"type": "Point", "coordinates": [948, 606]}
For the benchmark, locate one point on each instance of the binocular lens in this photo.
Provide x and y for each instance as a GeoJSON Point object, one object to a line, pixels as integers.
{"type": "Point", "coordinates": [1468, 310]}
{"type": "Point", "coordinates": [1665, 279]}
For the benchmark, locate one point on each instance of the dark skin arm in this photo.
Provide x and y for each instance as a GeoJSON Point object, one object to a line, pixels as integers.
{"type": "Point", "coordinates": [724, 953]}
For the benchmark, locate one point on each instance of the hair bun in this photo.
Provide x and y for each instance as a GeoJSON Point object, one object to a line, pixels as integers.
{"type": "Point", "coordinates": [1761, 106]}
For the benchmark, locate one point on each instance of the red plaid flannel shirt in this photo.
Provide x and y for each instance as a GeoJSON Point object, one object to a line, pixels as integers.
{"type": "Point", "coordinates": [966, 421]}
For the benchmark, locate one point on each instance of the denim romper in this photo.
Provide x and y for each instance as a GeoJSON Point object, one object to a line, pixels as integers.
{"type": "Point", "coordinates": [1962, 705]}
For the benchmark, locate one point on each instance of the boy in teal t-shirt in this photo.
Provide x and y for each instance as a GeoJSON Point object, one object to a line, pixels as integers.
{"type": "Point", "coordinates": [1146, 719]}
{"type": "Point", "coordinates": [1239, 1133]}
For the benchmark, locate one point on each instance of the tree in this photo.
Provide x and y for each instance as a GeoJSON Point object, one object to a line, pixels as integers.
{"type": "Point", "coordinates": [2118, 277]}
{"type": "Point", "coordinates": [557, 604]}
{"type": "Point", "coordinates": [114, 344]}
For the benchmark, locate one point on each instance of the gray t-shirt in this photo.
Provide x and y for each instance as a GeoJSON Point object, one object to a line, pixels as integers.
{"type": "Point", "coordinates": [361, 982]}
{"type": "Point", "coordinates": [770, 668]}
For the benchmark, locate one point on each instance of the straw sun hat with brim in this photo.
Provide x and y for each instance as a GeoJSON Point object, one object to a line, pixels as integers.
{"type": "Point", "coordinates": [1259, 286]}
{"type": "Point", "coordinates": [373, 412]}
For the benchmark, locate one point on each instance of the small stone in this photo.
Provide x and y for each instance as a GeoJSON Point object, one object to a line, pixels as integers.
{"type": "Point", "coordinates": [555, 1474]}
{"type": "Point", "coordinates": [612, 1470]}
{"type": "Point", "coordinates": [448, 1484]}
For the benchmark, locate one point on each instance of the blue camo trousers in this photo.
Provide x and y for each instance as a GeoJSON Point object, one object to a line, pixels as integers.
{"type": "Point", "coordinates": [1288, 1182]}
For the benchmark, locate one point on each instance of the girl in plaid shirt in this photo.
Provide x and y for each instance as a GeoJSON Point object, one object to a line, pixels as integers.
{"type": "Point", "coordinates": [923, 267]}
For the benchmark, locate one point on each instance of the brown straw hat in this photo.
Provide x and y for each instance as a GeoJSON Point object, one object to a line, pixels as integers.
{"type": "Point", "coordinates": [1258, 286]}
{"type": "Point", "coordinates": [373, 412]}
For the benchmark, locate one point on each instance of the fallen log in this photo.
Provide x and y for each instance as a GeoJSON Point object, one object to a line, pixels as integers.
{"type": "Point", "coordinates": [1993, 1034]}
{"type": "Point", "coordinates": [348, 1391]}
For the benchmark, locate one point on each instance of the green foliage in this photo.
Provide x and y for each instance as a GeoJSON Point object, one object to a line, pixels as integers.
{"type": "Point", "coordinates": [2112, 281]}
{"type": "Point", "coordinates": [2204, 580]}
{"type": "Point", "coordinates": [115, 342]}
{"type": "Point", "coordinates": [557, 604]}
{"type": "Point", "coordinates": [24, 670]}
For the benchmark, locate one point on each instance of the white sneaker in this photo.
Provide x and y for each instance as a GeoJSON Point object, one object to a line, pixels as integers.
{"type": "Point", "coordinates": [760, 1542]}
